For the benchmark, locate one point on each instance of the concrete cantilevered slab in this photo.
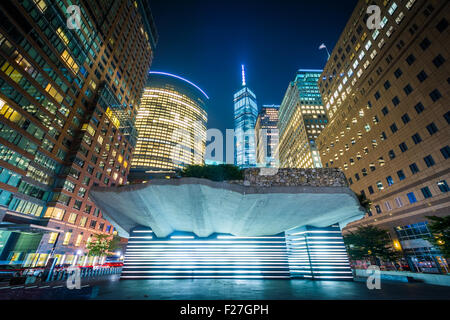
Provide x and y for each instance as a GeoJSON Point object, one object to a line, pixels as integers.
{"type": "Point", "coordinates": [259, 205]}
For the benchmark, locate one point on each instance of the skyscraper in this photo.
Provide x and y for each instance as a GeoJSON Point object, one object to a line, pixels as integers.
{"type": "Point", "coordinates": [172, 126]}
{"type": "Point", "coordinates": [245, 113]}
{"type": "Point", "coordinates": [301, 119]}
{"type": "Point", "coordinates": [386, 95]}
{"type": "Point", "coordinates": [266, 132]}
{"type": "Point", "coordinates": [68, 98]}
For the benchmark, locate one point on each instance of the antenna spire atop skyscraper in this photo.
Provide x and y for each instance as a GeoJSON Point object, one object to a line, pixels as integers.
{"type": "Point", "coordinates": [243, 75]}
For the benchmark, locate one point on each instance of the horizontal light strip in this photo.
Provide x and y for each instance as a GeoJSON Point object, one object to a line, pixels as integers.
{"type": "Point", "coordinates": [143, 237]}
{"type": "Point", "coordinates": [315, 231]}
{"type": "Point", "coordinates": [330, 267]}
{"type": "Point", "coordinates": [209, 250]}
{"type": "Point", "coordinates": [324, 238]}
{"type": "Point", "coordinates": [211, 242]}
{"type": "Point", "coordinates": [333, 277]}
{"type": "Point", "coordinates": [207, 267]}
{"type": "Point", "coordinates": [331, 264]}
{"type": "Point", "coordinates": [303, 247]}
{"type": "Point", "coordinates": [332, 271]}
{"type": "Point", "coordinates": [142, 231]}
{"type": "Point", "coordinates": [234, 246]}
{"type": "Point", "coordinates": [202, 271]}
{"type": "Point", "coordinates": [207, 263]}
{"type": "Point", "coordinates": [230, 256]}
{"type": "Point", "coordinates": [232, 237]}
{"type": "Point", "coordinates": [182, 237]}
{"type": "Point", "coordinates": [151, 245]}
{"type": "Point", "coordinates": [318, 250]}
{"type": "Point", "coordinates": [223, 277]}
{"type": "Point", "coordinates": [324, 242]}
{"type": "Point", "coordinates": [202, 259]}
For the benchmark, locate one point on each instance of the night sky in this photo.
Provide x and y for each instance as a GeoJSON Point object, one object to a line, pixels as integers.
{"type": "Point", "coordinates": [206, 41]}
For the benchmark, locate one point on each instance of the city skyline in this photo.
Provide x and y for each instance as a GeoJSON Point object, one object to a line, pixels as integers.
{"type": "Point", "coordinates": [215, 63]}
{"type": "Point", "coordinates": [258, 149]}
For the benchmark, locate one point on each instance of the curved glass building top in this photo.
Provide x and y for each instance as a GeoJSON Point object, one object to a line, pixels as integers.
{"type": "Point", "coordinates": [154, 76]}
{"type": "Point", "coordinates": [171, 122]}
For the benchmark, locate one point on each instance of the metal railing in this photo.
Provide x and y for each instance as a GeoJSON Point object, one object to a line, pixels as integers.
{"type": "Point", "coordinates": [59, 275]}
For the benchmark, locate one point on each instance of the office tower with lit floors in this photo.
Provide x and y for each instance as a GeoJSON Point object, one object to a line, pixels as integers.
{"type": "Point", "coordinates": [266, 133]}
{"type": "Point", "coordinates": [301, 119]}
{"type": "Point", "coordinates": [386, 93]}
{"type": "Point", "coordinates": [245, 114]}
{"type": "Point", "coordinates": [68, 98]}
{"type": "Point", "coordinates": [171, 122]}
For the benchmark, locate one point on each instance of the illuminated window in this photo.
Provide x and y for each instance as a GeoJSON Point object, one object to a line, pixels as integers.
{"type": "Point", "coordinates": [400, 17]}
{"type": "Point", "coordinates": [70, 61]}
{"type": "Point", "coordinates": [409, 4]}
{"type": "Point", "coordinates": [78, 241]}
{"type": "Point", "coordinates": [67, 237]}
{"type": "Point", "coordinates": [55, 213]}
{"type": "Point", "coordinates": [83, 221]}
{"type": "Point", "coordinates": [72, 218]}
{"type": "Point", "coordinates": [55, 94]}
{"type": "Point", "coordinates": [15, 75]}
{"type": "Point", "coordinates": [41, 5]}
{"type": "Point", "coordinates": [52, 238]}
{"type": "Point", "coordinates": [62, 36]}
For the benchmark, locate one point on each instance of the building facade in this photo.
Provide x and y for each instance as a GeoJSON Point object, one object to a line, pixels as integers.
{"type": "Point", "coordinates": [266, 134]}
{"type": "Point", "coordinates": [172, 126]}
{"type": "Point", "coordinates": [245, 114]}
{"type": "Point", "coordinates": [301, 119]}
{"type": "Point", "coordinates": [386, 93]}
{"type": "Point", "coordinates": [69, 91]}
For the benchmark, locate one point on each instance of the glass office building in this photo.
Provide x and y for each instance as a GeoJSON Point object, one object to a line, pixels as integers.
{"type": "Point", "coordinates": [68, 99]}
{"type": "Point", "coordinates": [302, 118]}
{"type": "Point", "coordinates": [245, 114]}
{"type": "Point", "coordinates": [172, 125]}
{"type": "Point", "coordinates": [385, 92]}
{"type": "Point", "coordinates": [266, 131]}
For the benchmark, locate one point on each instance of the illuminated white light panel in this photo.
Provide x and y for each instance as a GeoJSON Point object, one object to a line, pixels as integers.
{"type": "Point", "coordinates": [217, 256]}
{"type": "Point", "coordinates": [310, 254]}
{"type": "Point", "coordinates": [322, 252]}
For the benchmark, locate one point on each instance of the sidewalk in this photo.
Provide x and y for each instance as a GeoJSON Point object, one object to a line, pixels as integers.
{"type": "Point", "coordinates": [6, 285]}
{"type": "Point", "coordinates": [54, 289]}
{"type": "Point", "coordinates": [407, 276]}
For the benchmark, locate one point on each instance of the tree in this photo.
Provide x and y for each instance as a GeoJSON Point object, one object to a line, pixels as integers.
{"type": "Point", "coordinates": [101, 245]}
{"type": "Point", "coordinates": [440, 231]}
{"type": "Point", "coordinates": [370, 243]}
{"type": "Point", "coordinates": [219, 172]}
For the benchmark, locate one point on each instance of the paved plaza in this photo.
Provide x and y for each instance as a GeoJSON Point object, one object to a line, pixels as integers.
{"type": "Point", "coordinates": [111, 287]}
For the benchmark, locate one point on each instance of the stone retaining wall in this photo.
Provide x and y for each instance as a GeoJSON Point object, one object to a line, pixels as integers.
{"type": "Point", "coordinates": [317, 177]}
